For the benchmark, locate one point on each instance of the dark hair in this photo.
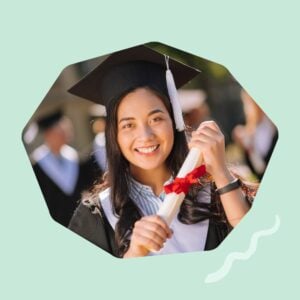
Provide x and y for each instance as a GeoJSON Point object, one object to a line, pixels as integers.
{"type": "Point", "coordinates": [118, 177]}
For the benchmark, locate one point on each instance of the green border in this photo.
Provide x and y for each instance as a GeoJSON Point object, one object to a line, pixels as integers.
{"type": "Point", "coordinates": [255, 40]}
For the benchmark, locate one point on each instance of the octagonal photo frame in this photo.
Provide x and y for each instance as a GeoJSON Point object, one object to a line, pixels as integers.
{"type": "Point", "coordinates": [67, 147]}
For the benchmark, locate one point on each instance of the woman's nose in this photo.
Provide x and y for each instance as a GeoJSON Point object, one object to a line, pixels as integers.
{"type": "Point", "coordinates": [146, 132]}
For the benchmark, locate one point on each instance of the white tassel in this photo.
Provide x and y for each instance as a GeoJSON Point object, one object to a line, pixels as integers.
{"type": "Point", "coordinates": [173, 94]}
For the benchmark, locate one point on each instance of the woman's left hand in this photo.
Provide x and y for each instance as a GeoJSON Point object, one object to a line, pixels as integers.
{"type": "Point", "coordinates": [210, 140]}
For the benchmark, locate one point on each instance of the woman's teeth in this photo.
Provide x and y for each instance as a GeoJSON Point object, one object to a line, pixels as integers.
{"type": "Point", "coordinates": [147, 149]}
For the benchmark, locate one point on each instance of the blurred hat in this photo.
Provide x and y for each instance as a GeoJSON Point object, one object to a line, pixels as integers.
{"type": "Point", "coordinates": [47, 121]}
{"type": "Point", "coordinates": [97, 111]}
{"type": "Point", "coordinates": [191, 99]}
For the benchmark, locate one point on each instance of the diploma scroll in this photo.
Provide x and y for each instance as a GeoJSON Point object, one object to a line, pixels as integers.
{"type": "Point", "coordinates": [172, 201]}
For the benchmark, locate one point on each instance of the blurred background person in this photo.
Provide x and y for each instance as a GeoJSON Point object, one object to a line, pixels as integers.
{"type": "Point", "coordinates": [94, 160]}
{"type": "Point", "coordinates": [57, 167]}
{"type": "Point", "coordinates": [194, 107]}
{"type": "Point", "coordinates": [98, 121]}
{"type": "Point", "coordinates": [257, 137]}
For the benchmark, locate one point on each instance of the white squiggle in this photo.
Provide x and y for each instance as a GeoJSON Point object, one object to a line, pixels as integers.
{"type": "Point", "coordinates": [231, 257]}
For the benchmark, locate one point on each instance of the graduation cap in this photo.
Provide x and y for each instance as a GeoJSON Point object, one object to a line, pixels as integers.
{"type": "Point", "coordinates": [49, 120]}
{"type": "Point", "coordinates": [140, 66]}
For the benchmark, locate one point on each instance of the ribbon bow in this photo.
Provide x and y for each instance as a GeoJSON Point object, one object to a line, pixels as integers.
{"type": "Point", "coordinates": [182, 185]}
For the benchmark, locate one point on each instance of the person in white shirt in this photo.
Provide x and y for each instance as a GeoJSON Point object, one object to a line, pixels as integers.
{"type": "Point", "coordinates": [257, 137]}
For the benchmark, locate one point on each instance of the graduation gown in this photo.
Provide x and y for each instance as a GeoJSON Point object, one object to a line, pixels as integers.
{"type": "Point", "coordinates": [91, 223]}
{"type": "Point", "coordinates": [62, 204]}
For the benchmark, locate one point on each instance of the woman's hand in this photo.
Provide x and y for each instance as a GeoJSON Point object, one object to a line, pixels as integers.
{"type": "Point", "coordinates": [210, 140]}
{"type": "Point", "coordinates": [149, 234]}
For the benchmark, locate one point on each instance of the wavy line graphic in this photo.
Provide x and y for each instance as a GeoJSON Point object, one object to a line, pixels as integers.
{"type": "Point", "coordinates": [231, 257]}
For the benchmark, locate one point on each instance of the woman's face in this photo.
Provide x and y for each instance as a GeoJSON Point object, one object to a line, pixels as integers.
{"type": "Point", "coordinates": [145, 131]}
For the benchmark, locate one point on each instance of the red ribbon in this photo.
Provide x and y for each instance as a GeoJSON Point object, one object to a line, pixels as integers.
{"type": "Point", "coordinates": [180, 185]}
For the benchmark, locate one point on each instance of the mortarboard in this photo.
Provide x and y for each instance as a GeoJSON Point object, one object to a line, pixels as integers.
{"type": "Point", "coordinates": [131, 68]}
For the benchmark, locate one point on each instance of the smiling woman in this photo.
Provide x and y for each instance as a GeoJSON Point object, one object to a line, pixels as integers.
{"type": "Point", "coordinates": [145, 135]}
{"type": "Point", "coordinates": [145, 150]}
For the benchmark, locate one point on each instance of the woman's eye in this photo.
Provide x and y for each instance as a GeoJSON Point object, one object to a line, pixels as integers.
{"type": "Point", "coordinates": [156, 119]}
{"type": "Point", "coordinates": [127, 126]}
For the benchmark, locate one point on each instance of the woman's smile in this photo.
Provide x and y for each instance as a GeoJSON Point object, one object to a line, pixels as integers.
{"type": "Point", "coordinates": [145, 132]}
{"type": "Point", "coordinates": [147, 150]}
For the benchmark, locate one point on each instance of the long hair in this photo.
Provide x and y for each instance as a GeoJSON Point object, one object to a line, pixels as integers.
{"type": "Point", "coordinates": [191, 211]}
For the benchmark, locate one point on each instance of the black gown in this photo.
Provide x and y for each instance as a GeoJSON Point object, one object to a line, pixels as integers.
{"type": "Point", "coordinates": [61, 205]}
{"type": "Point", "coordinates": [89, 221]}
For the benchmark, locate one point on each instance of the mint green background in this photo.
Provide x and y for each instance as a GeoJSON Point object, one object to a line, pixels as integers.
{"type": "Point", "coordinates": [257, 41]}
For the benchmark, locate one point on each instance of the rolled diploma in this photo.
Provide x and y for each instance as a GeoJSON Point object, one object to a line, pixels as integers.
{"type": "Point", "coordinates": [172, 201]}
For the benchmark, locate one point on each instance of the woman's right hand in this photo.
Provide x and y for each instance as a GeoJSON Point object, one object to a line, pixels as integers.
{"type": "Point", "coordinates": [149, 234]}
